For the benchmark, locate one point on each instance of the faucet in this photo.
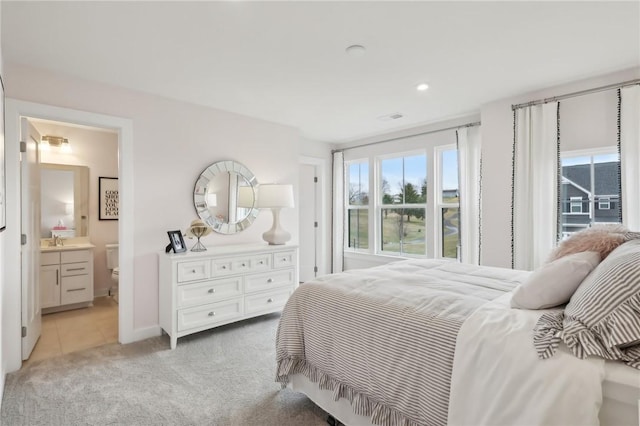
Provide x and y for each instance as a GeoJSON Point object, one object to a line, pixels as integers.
{"type": "Point", "coordinates": [58, 241]}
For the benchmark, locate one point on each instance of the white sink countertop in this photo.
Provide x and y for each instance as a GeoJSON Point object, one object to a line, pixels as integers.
{"type": "Point", "coordinates": [79, 243]}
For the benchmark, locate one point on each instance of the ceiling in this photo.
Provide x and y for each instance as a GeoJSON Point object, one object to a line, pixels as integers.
{"type": "Point", "coordinates": [285, 62]}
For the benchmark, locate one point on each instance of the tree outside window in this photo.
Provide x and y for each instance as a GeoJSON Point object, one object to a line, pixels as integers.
{"type": "Point", "coordinates": [403, 186]}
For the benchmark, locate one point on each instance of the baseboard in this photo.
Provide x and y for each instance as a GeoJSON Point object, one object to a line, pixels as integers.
{"type": "Point", "coordinates": [101, 293]}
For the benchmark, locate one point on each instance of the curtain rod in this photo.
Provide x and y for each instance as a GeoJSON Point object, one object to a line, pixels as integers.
{"type": "Point", "coordinates": [475, 123]}
{"type": "Point", "coordinates": [579, 93]}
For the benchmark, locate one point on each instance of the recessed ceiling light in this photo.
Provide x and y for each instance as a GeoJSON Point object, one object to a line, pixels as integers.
{"type": "Point", "coordinates": [355, 50]}
{"type": "Point", "coordinates": [422, 87]}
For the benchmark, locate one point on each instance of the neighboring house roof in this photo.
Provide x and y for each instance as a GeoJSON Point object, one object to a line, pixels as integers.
{"type": "Point", "coordinates": [606, 177]}
{"type": "Point", "coordinates": [567, 181]}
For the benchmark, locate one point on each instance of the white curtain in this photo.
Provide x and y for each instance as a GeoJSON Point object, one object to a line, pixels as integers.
{"type": "Point", "coordinates": [535, 185]}
{"type": "Point", "coordinates": [630, 155]}
{"type": "Point", "coordinates": [338, 212]}
{"type": "Point", "coordinates": [469, 154]}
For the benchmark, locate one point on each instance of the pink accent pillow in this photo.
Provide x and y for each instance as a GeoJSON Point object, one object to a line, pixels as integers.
{"type": "Point", "coordinates": [599, 238]}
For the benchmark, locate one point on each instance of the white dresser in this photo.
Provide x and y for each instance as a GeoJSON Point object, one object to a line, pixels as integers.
{"type": "Point", "coordinates": [202, 290]}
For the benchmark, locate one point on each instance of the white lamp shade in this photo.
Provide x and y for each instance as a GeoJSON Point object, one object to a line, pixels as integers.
{"type": "Point", "coordinates": [275, 195]}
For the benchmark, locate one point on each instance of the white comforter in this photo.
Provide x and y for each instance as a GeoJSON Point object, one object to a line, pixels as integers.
{"type": "Point", "coordinates": [497, 378]}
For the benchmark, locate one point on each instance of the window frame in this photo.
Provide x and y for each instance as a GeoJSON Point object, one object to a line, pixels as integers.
{"type": "Point", "coordinates": [348, 206]}
{"type": "Point", "coordinates": [440, 205]}
{"type": "Point", "coordinates": [592, 198]}
{"type": "Point", "coordinates": [379, 206]}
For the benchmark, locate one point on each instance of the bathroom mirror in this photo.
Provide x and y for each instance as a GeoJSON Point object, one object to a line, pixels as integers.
{"type": "Point", "coordinates": [225, 197]}
{"type": "Point", "coordinates": [64, 200]}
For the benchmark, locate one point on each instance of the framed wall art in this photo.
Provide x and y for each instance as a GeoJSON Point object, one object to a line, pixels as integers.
{"type": "Point", "coordinates": [108, 200]}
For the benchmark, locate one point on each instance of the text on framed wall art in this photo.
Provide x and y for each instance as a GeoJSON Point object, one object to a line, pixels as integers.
{"type": "Point", "coordinates": [108, 198]}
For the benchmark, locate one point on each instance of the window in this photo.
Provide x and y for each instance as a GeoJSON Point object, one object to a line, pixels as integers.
{"type": "Point", "coordinates": [576, 204]}
{"type": "Point", "coordinates": [405, 203]}
{"type": "Point", "coordinates": [449, 202]}
{"type": "Point", "coordinates": [358, 205]}
{"type": "Point", "coordinates": [403, 185]}
{"type": "Point", "coordinates": [590, 188]}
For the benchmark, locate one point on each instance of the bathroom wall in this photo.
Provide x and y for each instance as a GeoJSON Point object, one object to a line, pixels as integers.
{"type": "Point", "coordinates": [98, 150]}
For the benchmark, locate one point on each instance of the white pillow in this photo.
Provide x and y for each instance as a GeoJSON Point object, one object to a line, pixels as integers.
{"type": "Point", "coordinates": [554, 283]}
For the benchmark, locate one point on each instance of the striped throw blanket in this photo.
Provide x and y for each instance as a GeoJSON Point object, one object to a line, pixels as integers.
{"type": "Point", "coordinates": [384, 338]}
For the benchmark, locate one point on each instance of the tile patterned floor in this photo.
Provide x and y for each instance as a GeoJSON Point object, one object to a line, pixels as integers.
{"type": "Point", "coordinates": [78, 329]}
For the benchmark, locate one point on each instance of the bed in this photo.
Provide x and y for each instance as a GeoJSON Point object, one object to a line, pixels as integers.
{"type": "Point", "coordinates": [434, 342]}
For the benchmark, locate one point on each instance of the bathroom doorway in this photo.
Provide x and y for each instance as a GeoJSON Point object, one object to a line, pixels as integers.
{"type": "Point", "coordinates": [78, 281]}
{"type": "Point", "coordinates": [17, 292]}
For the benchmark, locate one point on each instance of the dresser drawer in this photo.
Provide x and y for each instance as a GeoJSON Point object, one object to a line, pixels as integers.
{"type": "Point", "coordinates": [209, 291]}
{"type": "Point", "coordinates": [192, 271]}
{"type": "Point", "coordinates": [261, 262]}
{"type": "Point", "coordinates": [51, 258]}
{"type": "Point", "coordinates": [69, 269]}
{"type": "Point", "coordinates": [211, 314]}
{"type": "Point", "coordinates": [266, 301]}
{"type": "Point", "coordinates": [222, 267]}
{"type": "Point", "coordinates": [74, 256]}
{"type": "Point", "coordinates": [76, 289]}
{"type": "Point", "coordinates": [267, 280]}
{"type": "Point", "coordinates": [284, 259]}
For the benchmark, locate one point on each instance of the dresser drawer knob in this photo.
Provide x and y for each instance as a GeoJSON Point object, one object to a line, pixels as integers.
{"type": "Point", "coordinates": [212, 290]}
{"type": "Point", "coordinates": [193, 271]}
{"type": "Point", "coordinates": [224, 267]}
{"type": "Point", "coordinates": [270, 280]}
{"type": "Point", "coordinates": [270, 300]}
{"type": "Point", "coordinates": [261, 262]}
{"type": "Point", "coordinates": [284, 259]}
{"type": "Point", "coordinates": [212, 314]}
{"type": "Point", "coordinates": [244, 264]}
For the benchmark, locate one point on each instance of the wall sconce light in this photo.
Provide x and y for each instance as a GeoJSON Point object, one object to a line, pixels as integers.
{"type": "Point", "coordinates": [57, 142]}
{"type": "Point", "coordinates": [275, 197]}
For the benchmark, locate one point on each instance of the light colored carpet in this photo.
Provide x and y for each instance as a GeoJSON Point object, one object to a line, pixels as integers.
{"type": "Point", "coordinates": [221, 377]}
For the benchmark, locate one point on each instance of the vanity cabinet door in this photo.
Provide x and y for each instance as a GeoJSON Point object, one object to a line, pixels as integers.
{"type": "Point", "coordinates": [49, 286]}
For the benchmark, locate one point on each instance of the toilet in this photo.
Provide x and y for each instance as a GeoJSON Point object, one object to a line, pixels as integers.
{"type": "Point", "coordinates": [112, 264]}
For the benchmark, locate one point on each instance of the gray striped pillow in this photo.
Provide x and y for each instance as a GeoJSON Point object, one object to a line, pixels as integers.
{"type": "Point", "coordinates": [603, 315]}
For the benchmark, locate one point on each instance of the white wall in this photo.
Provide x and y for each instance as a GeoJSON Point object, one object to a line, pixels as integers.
{"type": "Point", "coordinates": [169, 133]}
{"type": "Point", "coordinates": [98, 150]}
{"type": "Point", "coordinates": [583, 120]}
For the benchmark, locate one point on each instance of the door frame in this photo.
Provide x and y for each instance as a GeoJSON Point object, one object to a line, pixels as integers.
{"type": "Point", "coordinates": [323, 256]}
{"type": "Point", "coordinates": [12, 304]}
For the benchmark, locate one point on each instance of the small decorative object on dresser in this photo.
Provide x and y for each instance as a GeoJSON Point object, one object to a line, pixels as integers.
{"type": "Point", "coordinates": [176, 242]}
{"type": "Point", "coordinates": [198, 229]}
{"type": "Point", "coordinates": [203, 290]}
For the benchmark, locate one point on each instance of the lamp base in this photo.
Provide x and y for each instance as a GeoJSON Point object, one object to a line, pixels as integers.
{"type": "Point", "coordinates": [198, 246]}
{"type": "Point", "coordinates": [276, 235]}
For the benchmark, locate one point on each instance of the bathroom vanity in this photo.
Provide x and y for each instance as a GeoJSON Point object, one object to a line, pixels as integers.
{"type": "Point", "coordinates": [66, 276]}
